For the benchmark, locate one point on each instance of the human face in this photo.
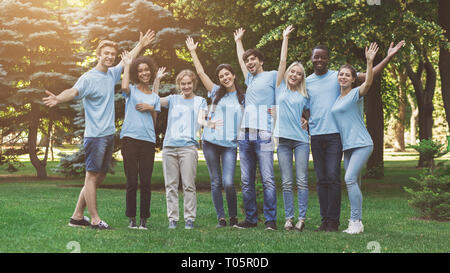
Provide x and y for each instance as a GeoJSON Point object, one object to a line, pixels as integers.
{"type": "Point", "coordinates": [187, 86]}
{"type": "Point", "coordinates": [320, 61]}
{"type": "Point", "coordinates": [226, 78]}
{"type": "Point", "coordinates": [107, 56]}
{"type": "Point", "coordinates": [144, 74]}
{"type": "Point", "coordinates": [253, 64]}
{"type": "Point", "coordinates": [345, 78]}
{"type": "Point", "coordinates": [295, 76]}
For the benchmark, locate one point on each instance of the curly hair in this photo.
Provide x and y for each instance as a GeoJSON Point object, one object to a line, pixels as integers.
{"type": "Point", "coordinates": [142, 60]}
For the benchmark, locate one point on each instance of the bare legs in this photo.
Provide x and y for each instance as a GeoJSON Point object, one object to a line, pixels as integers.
{"type": "Point", "coordinates": [88, 197]}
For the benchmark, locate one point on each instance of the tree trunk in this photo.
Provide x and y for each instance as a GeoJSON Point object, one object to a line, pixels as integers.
{"type": "Point", "coordinates": [399, 127]}
{"type": "Point", "coordinates": [444, 58]}
{"type": "Point", "coordinates": [39, 165]}
{"type": "Point", "coordinates": [413, 120]}
{"type": "Point", "coordinates": [424, 97]}
{"type": "Point", "coordinates": [375, 126]}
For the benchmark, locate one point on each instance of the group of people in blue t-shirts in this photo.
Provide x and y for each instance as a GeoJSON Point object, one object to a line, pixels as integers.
{"type": "Point", "coordinates": [323, 110]}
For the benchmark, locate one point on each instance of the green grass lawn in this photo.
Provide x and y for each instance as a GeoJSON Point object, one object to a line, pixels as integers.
{"type": "Point", "coordinates": [34, 215]}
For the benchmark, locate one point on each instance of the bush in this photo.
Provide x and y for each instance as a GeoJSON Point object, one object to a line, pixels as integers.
{"type": "Point", "coordinates": [432, 194]}
{"type": "Point", "coordinates": [429, 150]}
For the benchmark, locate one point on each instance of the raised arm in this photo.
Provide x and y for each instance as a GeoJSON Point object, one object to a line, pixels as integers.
{"type": "Point", "coordinates": [159, 75]}
{"type": "Point", "coordinates": [144, 40]}
{"type": "Point", "coordinates": [198, 65]}
{"type": "Point", "coordinates": [379, 67]}
{"type": "Point", "coordinates": [126, 61]}
{"type": "Point", "coordinates": [65, 96]}
{"type": "Point", "coordinates": [156, 83]}
{"type": "Point", "coordinates": [283, 55]}
{"type": "Point", "coordinates": [370, 56]}
{"type": "Point", "coordinates": [238, 34]}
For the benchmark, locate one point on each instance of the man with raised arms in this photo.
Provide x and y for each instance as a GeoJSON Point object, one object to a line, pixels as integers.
{"type": "Point", "coordinates": [96, 89]}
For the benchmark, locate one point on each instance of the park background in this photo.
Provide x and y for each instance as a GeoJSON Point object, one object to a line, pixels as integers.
{"type": "Point", "coordinates": [47, 45]}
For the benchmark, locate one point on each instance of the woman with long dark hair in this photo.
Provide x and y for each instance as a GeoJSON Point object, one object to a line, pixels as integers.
{"type": "Point", "coordinates": [220, 136]}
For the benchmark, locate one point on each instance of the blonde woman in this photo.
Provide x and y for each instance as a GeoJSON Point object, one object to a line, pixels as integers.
{"type": "Point", "coordinates": [186, 112]}
{"type": "Point", "coordinates": [291, 100]}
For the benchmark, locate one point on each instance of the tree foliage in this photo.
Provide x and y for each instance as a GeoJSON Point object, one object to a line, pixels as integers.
{"type": "Point", "coordinates": [35, 55]}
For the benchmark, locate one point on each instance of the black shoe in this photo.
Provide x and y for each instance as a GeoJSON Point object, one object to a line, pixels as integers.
{"type": "Point", "coordinates": [222, 223]}
{"type": "Point", "coordinates": [132, 224]}
{"type": "Point", "coordinates": [271, 225]}
{"type": "Point", "coordinates": [233, 221]}
{"type": "Point", "coordinates": [332, 226]}
{"type": "Point", "coordinates": [102, 225]}
{"type": "Point", "coordinates": [323, 226]}
{"type": "Point", "coordinates": [143, 224]}
{"type": "Point", "coordinates": [85, 222]}
{"type": "Point", "coordinates": [245, 224]}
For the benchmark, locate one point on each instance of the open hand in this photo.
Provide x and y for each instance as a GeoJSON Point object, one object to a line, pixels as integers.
{"type": "Point", "coordinates": [287, 31]}
{"type": "Point", "coordinates": [238, 34]}
{"type": "Point", "coordinates": [161, 73]}
{"type": "Point", "coordinates": [126, 57]}
{"type": "Point", "coordinates": [394, 49]}
{"type": "Point", "coordinates": [371, 52]}
{"type": "Point", "coordinates": [51, 100]}
{"type": "Point", "coordinates": [190, 44]}
{"type": "Point", "coordinates": [146, 39]}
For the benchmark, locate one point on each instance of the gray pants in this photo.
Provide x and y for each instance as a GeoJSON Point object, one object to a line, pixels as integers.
{"type": "Point", "coordinates": [176, 161]}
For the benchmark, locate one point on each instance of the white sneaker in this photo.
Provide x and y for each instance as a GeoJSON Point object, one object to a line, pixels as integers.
{"type": "Point", "coordinates": [289, 224]}
{"type": "Point", "coordinates": [354, 227]}
{"type": "Point", "coordinates": [300, 225]}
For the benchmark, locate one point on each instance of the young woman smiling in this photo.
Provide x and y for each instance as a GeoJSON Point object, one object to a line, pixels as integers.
{"type": "Point", "coordinates": [291, 100]}
{"type": "Point", "coordinates": [356, 141]}
{"type": "Point", "coordinates": [138, 132]}
{"type": "Point", "coordinates": [220, 137]}
{"type": "Point", "coordinates": [186, 113]}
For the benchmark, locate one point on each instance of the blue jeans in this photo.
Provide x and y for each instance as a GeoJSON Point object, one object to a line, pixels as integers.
{"type": "Point", "coordinates": [98, 153]}
{"type": "Point", "coordinates": [214, 155]}
{"type": "Point", "coordinates": [327, 156]}
{"type": "Point", "coordinates": [286, 149]}
{"type": "Point", "coordinates": [257, 147]}
{"type": "Point", "coordinates": [354, 161]}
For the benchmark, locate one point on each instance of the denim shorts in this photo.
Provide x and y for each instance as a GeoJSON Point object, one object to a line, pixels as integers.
{"type": "Point", "coordinates": [98, 151]}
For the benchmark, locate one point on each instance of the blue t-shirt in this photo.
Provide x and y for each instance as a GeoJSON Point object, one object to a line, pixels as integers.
{"type": "Point", "coordinates": [348, 113]}
{"type": "Point", "coordinates": [229, 110]}
{"type": "Point", "coordinates": [137, 124]}
{"type": "Point", "coordinates": [96, 89]}
{"type": "Point", "coordinates": [323, 90]}
{"type": "Point", "coordinates": [182, 125]}
{"type": "Point", "coordinates": [259, 97]}
{"type": "Point", "coordinates": [290, 105]}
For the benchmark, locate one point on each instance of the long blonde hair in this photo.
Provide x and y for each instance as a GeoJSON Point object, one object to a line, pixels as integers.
{"type": "Point", "coordinates": [302, 86]}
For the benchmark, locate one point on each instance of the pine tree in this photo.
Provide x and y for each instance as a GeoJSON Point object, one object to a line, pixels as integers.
{"type": "Point", "coordinates": [35, 55]}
